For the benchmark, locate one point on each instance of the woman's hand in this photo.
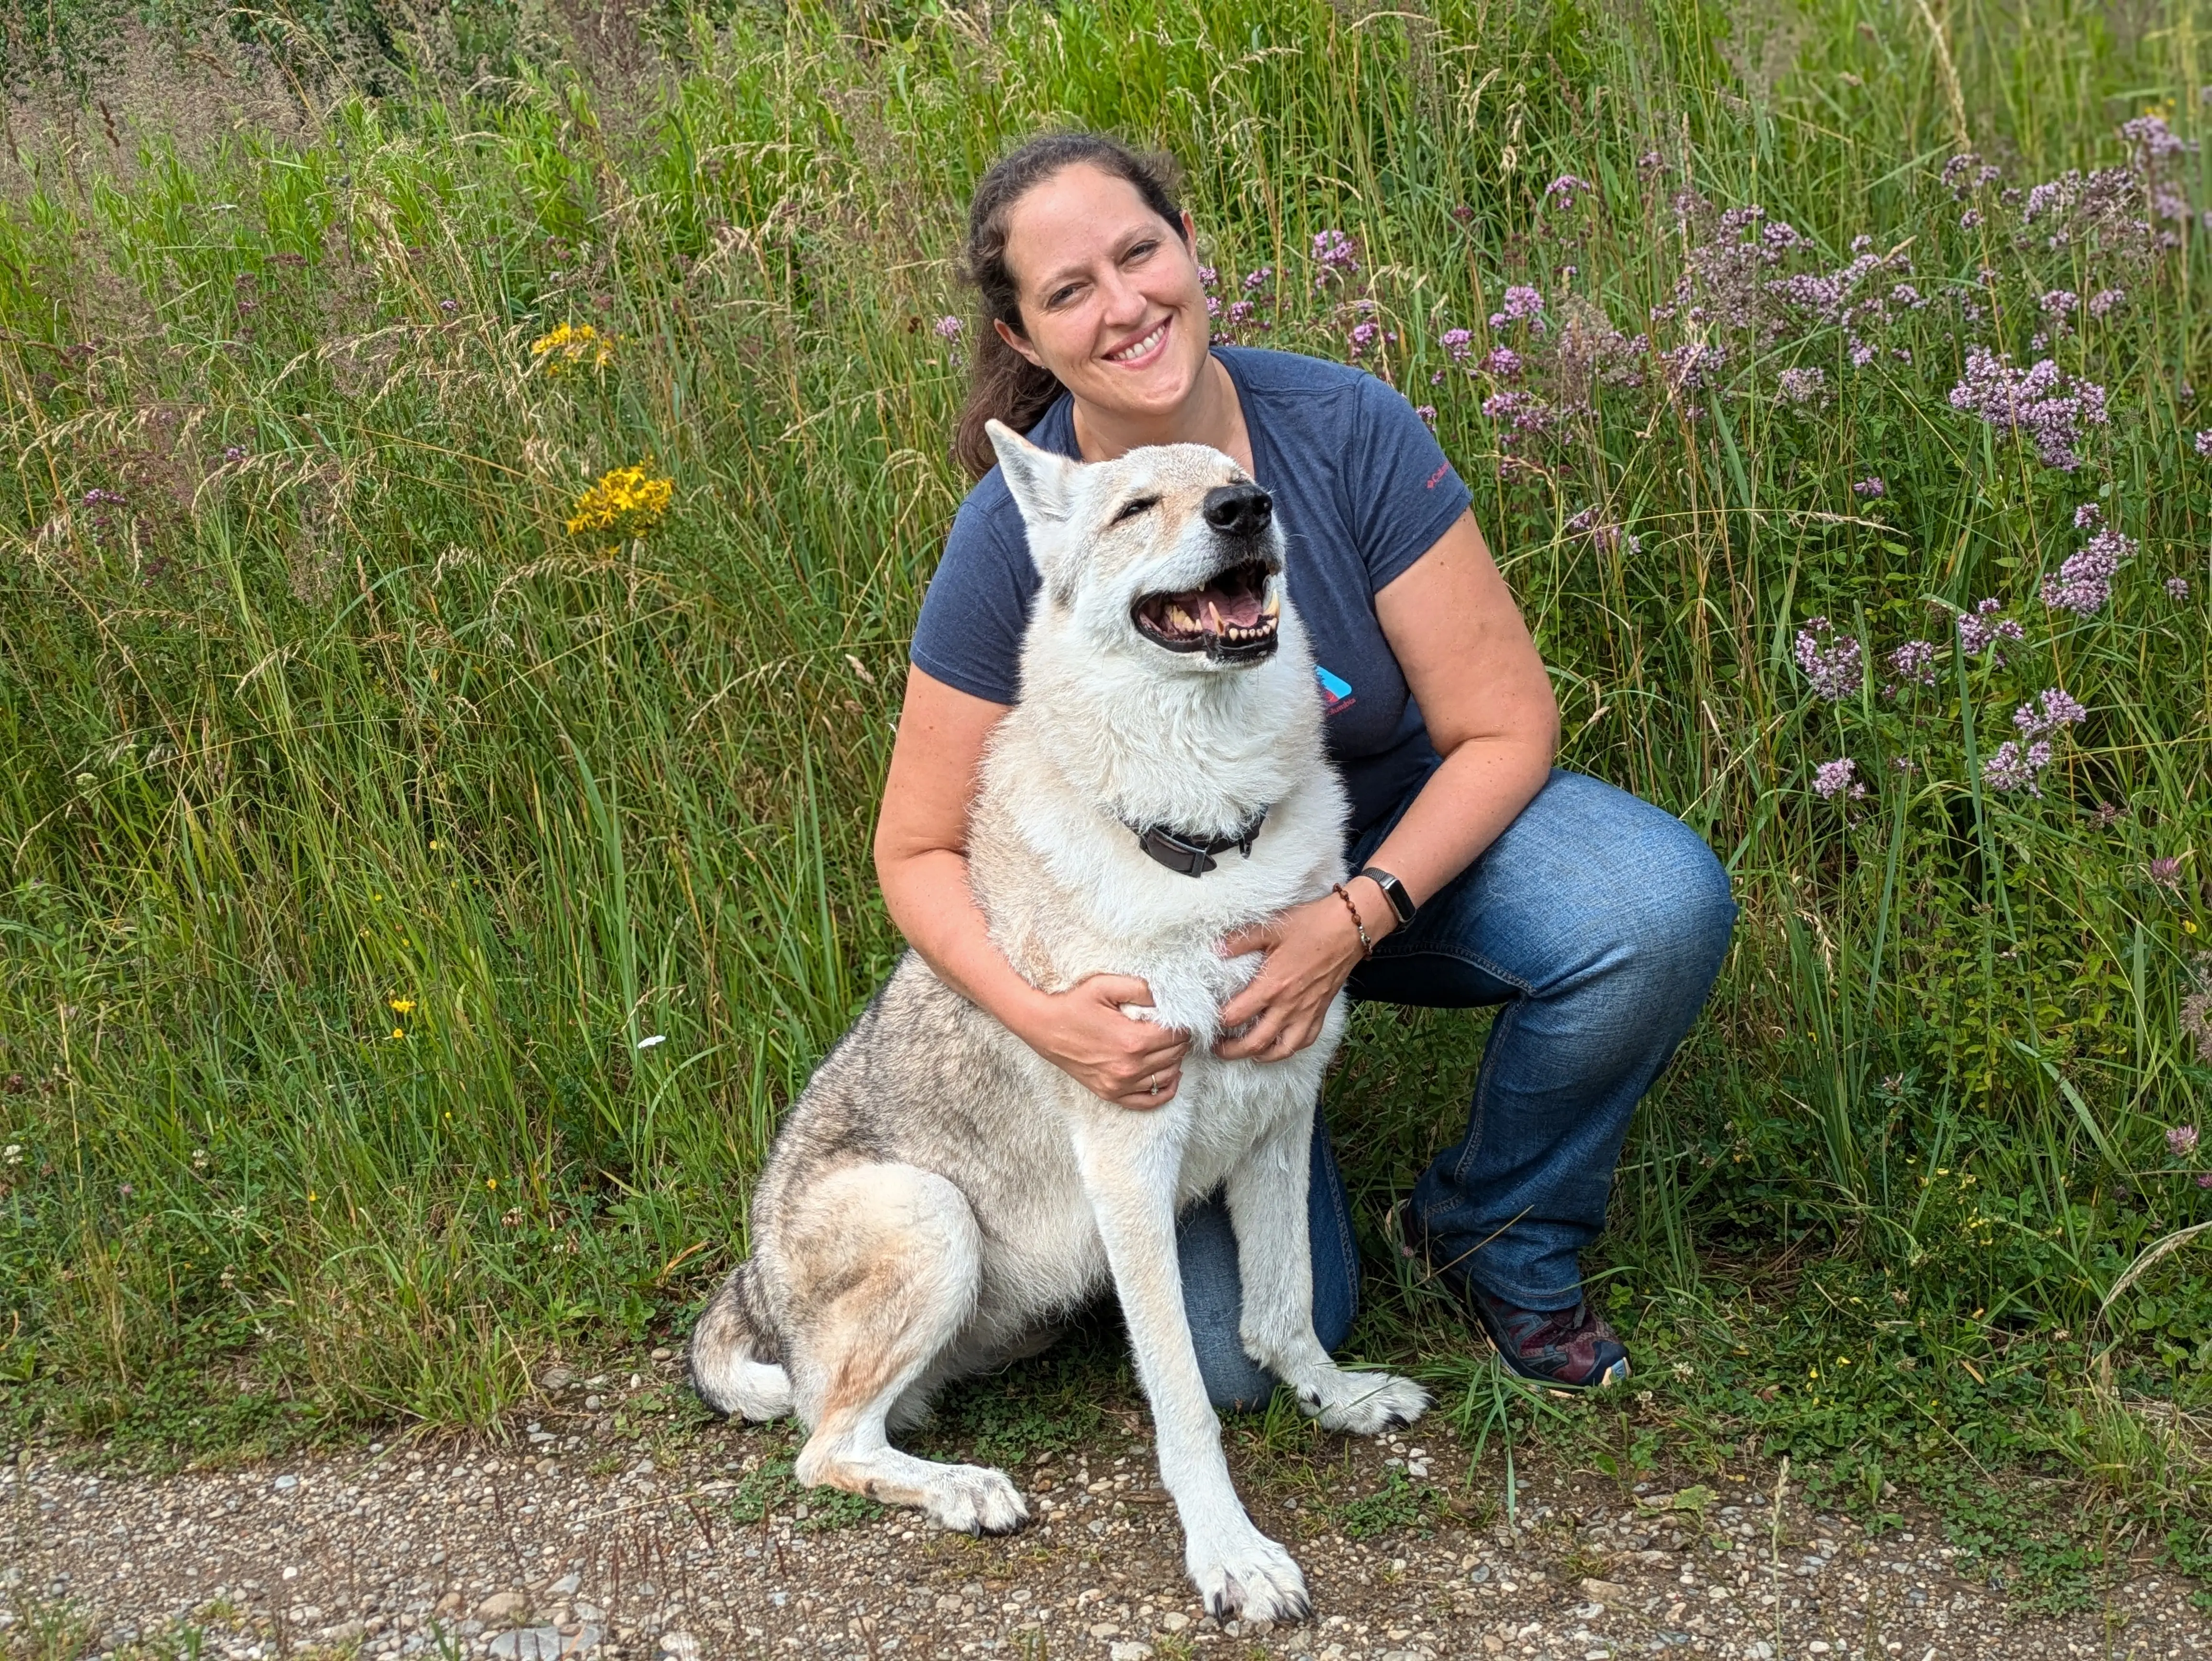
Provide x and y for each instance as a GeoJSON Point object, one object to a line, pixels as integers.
{"type": "Point", "coordinates": [1083, 1033]}
{"type": "Point", "coordinates": [1312, 950]}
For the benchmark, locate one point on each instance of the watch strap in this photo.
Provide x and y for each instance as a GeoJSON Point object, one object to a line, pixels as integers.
{"type": "Point", "coordinates": [1402, 903]}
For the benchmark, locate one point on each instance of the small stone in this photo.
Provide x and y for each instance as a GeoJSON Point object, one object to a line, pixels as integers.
{"type": "Point", "coordinates": [285, 1484]}
{"type": "Point", "coordinates": [1605, 1591]}
{"type": "Point", "coordinates": [528, 1644]}
{"type": "Point", "coordinates": [663, 1355]}
{"type": "Point", "coordinates": [584, 1638]}
{"type": "Point", "coordinates": [566, 1585]}
{"type": "Point", "coordinates": [1128, 1650]}
{"type": "Point", "coordinates": [556, 1376]}
{"type": "Point", "coordinates": [501, 1605]}
{"type": "Point", "coordinates": [677, 1646]}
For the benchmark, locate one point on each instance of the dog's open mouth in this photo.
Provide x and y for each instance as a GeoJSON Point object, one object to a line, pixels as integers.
{"type": "Point", "coordinates": [1233, 617]}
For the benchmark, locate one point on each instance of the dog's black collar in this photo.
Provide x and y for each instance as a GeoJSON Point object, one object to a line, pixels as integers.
{"type": "Point", "coordinates": [1191, 856]}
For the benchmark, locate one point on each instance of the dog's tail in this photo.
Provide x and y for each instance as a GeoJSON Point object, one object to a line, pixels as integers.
{"type": "Point", "coordinates": [734, 1363]}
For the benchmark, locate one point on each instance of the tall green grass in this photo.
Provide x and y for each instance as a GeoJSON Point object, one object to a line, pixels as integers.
{"type": "Point", "coordinates": [418, 915]}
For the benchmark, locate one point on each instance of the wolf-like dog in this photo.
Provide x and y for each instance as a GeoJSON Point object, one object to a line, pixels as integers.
{"type": "Point", "coordinates": [941, 1197]}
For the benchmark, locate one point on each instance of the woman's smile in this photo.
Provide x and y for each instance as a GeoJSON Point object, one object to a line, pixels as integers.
{"type": "Point", "coordinates": [1144, 349]}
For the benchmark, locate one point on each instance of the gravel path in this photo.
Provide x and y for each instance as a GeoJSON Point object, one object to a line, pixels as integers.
{"type": "Point", "coordinates": [578, 1539]}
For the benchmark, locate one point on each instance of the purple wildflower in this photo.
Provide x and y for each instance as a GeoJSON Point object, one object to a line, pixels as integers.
{"type": "Point", "coordinates": [1913, 663]}
{"type": "Point", "coordinates": [1427, 413]}
{"type": "Point", "coordinates": [1207, 276]}
{"type": "Point", "coordinates": [1971, 220]}
{"type": "Point", "coordinates": [2084, 583]}
{"type": "Point", "coordinates": [2166, 872]}
{"type": "Point", "coordinates": [1650, 162]}
{"type": "Point", "coordinates": [949, 328]}
{"type": "Point", "coordinates": [1873, 487]}
{"type": "Point", "coordinates": [1982, 628]}
{"type": "Point", "coordinates": [1803, 386]}
{"type": "Point", "coordinates": [1518, 412]}
{"type": "Point", "coordinates": [2181, 1140]}
{"type": "Point", "coordinates": [1609, 537]}
{"type": "Point", "coordinates": [1565, 188]}
{"type": "Point", "coordinates": [1502, 363]}
{"type": "Point", "coordinates": [1521, 304]}
{"type": "Point", "coordinates": [2204, 1179]}
{"type": "Point", "coordinates": [1457, 343]}
{"type": "Point", "coordinates": [2177, 588]}
{"type": "Point", "coordinates": [2041, 403]}
{"type": "Point", "coordinates": [2089, 516]}
{"type": "Point", "coordinates": [1258, 279]}
{"type": "Point", "coordinates": [1335, 254]}
{"type": "Point", "coordinates": [2204, 442]}
{"type": "Point", "coordinates": [2011, 768]}
{"type": "Point", "coordinates": [1832, 779]}
{"type": "Point", "coordinates": [1364, 336]}
{"type": "Point", "coordinates": [234, 453]}
{"type": "Point", "coordinates": [2102, 302]}
{"type": "Point", "coordinates": [2059, 709]}
{"type": "Point", "coordinates": [1831, 661]}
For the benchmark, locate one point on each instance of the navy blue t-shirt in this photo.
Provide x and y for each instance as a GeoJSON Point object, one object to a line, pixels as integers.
{"type": "Point", "coordinates": [1362, 491]}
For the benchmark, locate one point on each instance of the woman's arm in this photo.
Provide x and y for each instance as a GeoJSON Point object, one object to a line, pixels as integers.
{"type": "Point", "coordinates": [921, 861]}
{"type": "Point", "coordinates": [1468, 658]}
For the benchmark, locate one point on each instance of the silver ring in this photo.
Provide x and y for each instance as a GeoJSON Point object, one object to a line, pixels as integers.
{"type": "Point", "coordinates": [1156, 1084]}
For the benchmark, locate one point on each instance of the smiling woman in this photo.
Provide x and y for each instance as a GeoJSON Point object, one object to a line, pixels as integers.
{"type": "Point", "coordinates": [1482, 874]}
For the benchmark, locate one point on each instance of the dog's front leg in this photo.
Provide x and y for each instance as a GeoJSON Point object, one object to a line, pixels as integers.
{"type": "Point", "coordinates": [1129, 1173]}
{"type": "Point", "coordinates": [1266, 1192]}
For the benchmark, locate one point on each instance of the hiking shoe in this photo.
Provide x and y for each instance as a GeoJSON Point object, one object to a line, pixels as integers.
{"type": "Point", "coordinates": [1561, 1348]}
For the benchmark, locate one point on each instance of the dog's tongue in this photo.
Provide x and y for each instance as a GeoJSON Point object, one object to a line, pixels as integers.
{"type": "Point", "coordinates": [1238, 609]}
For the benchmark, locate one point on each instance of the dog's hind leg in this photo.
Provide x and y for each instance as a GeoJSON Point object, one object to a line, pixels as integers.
{"type": "Point", "coordinates": [732, 1354]}
{"type": "Point", "coordinates": [1267, 1195]}
{"type": "Point", "coordinates": [885, 1260]}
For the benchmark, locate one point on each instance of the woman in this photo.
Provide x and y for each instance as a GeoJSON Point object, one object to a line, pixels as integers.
{"type": "Point", "coordinates": [1486, 876]}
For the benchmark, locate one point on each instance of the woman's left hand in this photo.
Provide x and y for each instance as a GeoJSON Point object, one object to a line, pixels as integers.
{"type": "Point", "coordinates": [1312, 950]}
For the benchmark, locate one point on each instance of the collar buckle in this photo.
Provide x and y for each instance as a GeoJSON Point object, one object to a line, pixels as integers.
{"type": "Point", "coordinates": [1193, 856]}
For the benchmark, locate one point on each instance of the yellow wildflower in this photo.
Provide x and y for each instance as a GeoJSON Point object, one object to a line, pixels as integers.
{"type": "Point", "coordinates": [402, 1005]}
{"type": "Point", "coordinates": [573, 346]}
{"type": "Point", "coordinates": [626, 502]}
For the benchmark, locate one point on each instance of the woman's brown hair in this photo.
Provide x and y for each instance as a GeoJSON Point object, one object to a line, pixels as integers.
{"type": "Point", "coordinates": [1005, 386]}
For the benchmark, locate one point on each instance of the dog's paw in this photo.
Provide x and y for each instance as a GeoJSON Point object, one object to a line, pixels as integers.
{"type": "Point", "coordinates": [1362, 1403]}
{"type": "Point", "coordinates": [1250, 1577]}
{"type": "Point", "coordinates": [975, 1499]}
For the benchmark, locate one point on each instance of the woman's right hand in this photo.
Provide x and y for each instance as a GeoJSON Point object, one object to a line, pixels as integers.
{"type": "Point", "coordinates": [1083, 1033]}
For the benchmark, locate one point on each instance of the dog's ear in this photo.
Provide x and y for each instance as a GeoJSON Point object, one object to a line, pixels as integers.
{"type": "Point", "coordinates": [1041, 482]}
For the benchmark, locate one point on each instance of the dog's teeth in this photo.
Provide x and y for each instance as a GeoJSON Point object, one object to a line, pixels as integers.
{"type": "Point", "coordinates": [1212, 618]}
{"type": "Point", "coordinates": [1274, 607]}
{"type": "Point", "coordinates": [1179, 618]}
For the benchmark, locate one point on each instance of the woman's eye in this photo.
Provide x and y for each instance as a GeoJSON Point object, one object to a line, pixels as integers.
{"type": "Point", "coordinates": [1060, 296]}
{"type": "Point", "coordinates": [1142, 250]}
{"type": "Point", "coordinates": [1131, 508]}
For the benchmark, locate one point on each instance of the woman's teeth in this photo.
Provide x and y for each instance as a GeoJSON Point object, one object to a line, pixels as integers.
{"type": "Point", "coordinates": [1139, 348]}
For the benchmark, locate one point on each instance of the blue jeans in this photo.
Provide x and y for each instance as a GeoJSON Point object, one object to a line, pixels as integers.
{"type": "Point", "coordinates": [1599, 922]}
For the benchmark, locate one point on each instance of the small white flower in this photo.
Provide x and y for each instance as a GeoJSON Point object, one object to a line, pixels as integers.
{"type": "Point", "coordinates": [13, 1153]}
{"type": "Point", "coordinates": [647, 1043]}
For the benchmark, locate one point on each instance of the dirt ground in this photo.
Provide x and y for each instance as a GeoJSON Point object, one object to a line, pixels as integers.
{"type": "Point", "coordinates": [573, 1540]}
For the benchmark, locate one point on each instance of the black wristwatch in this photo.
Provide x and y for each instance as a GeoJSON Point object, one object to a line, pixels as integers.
{"type": "Point", "coordinates": [1402, 903]}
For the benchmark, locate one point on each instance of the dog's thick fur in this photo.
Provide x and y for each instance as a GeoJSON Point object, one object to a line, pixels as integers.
{"type": "Point", "coordinates": [941, 1196]}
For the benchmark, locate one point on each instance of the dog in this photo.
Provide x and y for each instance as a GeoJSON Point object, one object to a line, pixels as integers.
{"type": "Point", "coordinates": [940, 1197]}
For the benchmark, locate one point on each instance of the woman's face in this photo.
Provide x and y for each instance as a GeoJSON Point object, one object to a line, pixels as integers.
{"type": "Point", "coordinates": [1109, 294]}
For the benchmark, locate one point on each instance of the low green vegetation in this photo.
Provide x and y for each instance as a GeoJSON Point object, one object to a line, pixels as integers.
{"type": "Point", "coordinates": [472, 481]}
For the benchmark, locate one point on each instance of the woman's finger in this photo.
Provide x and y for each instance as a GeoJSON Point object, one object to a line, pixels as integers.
{"type": "Point", "coordinates": [1118, 990]}
{"type": "Point", "coordinates": [1257, 937]}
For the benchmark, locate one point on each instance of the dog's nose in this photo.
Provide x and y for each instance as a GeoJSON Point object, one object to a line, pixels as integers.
{"type": "Point", "coordinates": [1239, 510]}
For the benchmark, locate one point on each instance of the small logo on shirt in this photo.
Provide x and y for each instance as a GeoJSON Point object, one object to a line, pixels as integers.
{"type": "Point", "coordinates": [1335, 692]}
{"type": "Point", "coordinates": [1437, 475]}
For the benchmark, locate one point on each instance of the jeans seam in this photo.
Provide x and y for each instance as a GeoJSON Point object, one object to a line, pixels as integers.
{"type": "Point", "coordinates": [1348, 1248]}
{"type": "Point", "coordinates": [1470, 959]}
{"type": "Point", "coordinates": [1478, 1110]}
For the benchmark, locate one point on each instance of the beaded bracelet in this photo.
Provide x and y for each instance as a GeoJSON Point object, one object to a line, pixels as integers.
{"type": "Point", "coordinates": [1366, 945]}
